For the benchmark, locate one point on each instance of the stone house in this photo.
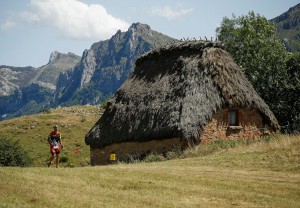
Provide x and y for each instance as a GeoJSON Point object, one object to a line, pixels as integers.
{"type": "Point", "coordinates": [183, 93]}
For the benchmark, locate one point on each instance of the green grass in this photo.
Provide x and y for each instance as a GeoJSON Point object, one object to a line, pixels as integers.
{"type": "Point", "coordinates": [262, 174]}
{"type": "Point", "coordinates": [32, 132]}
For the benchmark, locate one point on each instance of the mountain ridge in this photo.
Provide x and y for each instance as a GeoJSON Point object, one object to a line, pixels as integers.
{"type": "Point", "coordinates": [288, 27]}
{"type": "Point", "coordinates": [68, 79]}
{"type": "Point", "coordinates": [27, 90]}
{"type": "Point", "coordinates": [107, 65]}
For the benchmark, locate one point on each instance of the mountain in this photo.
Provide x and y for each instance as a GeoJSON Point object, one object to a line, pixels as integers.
{"type": "Point", "coordinates": [288, 28]}
{"type": "Point", "coordinates": [47, 75]}
{"type": "Point", "coordinates": [13, 78]}
{"type": "Point", "coordinates": [27, 90]}
{"type": "Point", "coordinates": [106, 66]}
{"type": "Point", "coordinates": [69, 79]}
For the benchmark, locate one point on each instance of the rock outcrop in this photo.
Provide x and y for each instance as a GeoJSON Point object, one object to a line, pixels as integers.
{"type": "Point", "coordinates": [106, 65]}
{"type": "Point", "coordinates": [26, 90]}
{"type": "Point", "coordinates": [68, 79]}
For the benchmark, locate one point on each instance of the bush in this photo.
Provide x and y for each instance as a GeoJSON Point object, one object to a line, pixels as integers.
{"type": "Point", "coordinates": [64, 159]}
{"type": "Point", "coordinates": [46, 111]}
{"type": "Point", "coordinates": [175, 153]}
{"type": "Point", "coordinates": [12, 154]}
{"type": "Point", "coordinates": [154, 158]}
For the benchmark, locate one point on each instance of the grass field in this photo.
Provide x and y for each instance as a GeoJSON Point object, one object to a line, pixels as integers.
{"type": "Point", "coordinates": [262, 174]}
{"type": "Point", "coordinates": [32, 132]}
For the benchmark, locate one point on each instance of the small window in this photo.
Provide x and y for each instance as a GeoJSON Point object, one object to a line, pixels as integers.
{"type": "Point", "coordinates": [233, 118]}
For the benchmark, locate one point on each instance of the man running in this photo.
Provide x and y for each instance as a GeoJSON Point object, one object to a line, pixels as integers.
{"type": "Point", "coordinates": [55, 142]}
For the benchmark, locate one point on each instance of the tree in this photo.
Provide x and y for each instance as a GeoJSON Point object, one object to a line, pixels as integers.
{"type": "Point", "coordinates": [252, 42]}
{"type": "Point", "coordinates": [292, 92]}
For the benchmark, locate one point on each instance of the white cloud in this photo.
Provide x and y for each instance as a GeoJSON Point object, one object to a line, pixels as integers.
{"type": "Point", "coordinates": [74, 19]}
{"type": "Point", "coordinates": [170, 13]}
{"type": "Point", "coordinates": [7, 25]}
{"type": "Point", "coordinates": [29, 17]}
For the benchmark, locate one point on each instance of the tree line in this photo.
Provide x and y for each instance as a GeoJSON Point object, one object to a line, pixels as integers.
{"type": "Point", "coordinates": [274, 73]}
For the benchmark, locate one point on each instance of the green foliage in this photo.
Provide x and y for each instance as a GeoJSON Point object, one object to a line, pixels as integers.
{"type": "Point", "coordinates": [63, 159]}
{"type": "Point", "coordinates": [47, 111]}
{"type": "Point", "coordinates": [104, 104]}
{"type": "Point", "coordinates": [175, 153]}
{"type": "Point", "coordinates": [291, 90]}
{"type": "Point", "coordinates": [154, 158]}
{"type": "Point", "coordinates": [253, 43]}
{"type": "Point", "coordinates": [12, 154]}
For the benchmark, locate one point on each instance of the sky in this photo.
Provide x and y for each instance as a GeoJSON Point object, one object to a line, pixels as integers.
{"type": "Point", "coordinates": [31, 29]}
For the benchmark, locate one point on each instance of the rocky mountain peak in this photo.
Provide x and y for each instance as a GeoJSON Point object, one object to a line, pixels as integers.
{"type": "Point", "coordinates": [116, 37]}
{"type": "Point", "coordinates": [54, 56]}
{"type": "Point", "coordinates": [139, 27]}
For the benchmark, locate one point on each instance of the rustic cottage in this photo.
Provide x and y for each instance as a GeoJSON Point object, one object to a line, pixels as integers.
{"type": "Point", "coordinates": [186, 92]}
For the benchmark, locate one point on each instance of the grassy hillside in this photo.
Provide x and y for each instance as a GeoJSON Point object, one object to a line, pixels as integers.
{"type": "Point", "coordinates": [32, 132]}
{"type": "Point", "coordinates": [264, 174]}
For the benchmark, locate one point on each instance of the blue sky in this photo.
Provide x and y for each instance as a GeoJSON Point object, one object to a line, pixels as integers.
{"type": "Point", "coordinates": [31, 29]}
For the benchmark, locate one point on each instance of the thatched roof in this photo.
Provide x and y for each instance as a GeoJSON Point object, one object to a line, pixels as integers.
{"type": "Point", "coordinates": [174, 92]}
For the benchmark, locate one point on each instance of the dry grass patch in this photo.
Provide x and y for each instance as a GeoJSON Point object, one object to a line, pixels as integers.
{"type": "Point", "coordinates": [238, 177]}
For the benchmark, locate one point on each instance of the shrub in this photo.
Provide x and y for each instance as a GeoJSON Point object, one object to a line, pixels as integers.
{"type": "Point", "coordinates": [104, 105]}
{"type": "Point", "coordinates": [63, 159]}
{"type": "Point", "coordinates": [47, 111]}
{"type": "Point", "coordinates": [154, 158]}
{"type": "Point", "coordinates": [175, 153]}
{"type": "Point", "coordinates": [12, 154]}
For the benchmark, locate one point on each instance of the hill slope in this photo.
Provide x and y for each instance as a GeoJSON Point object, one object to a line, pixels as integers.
{"type": "Point", "coordinates": [288, 26]}
{"type": "Point", "coordinates": [32, 132]}
{"type": "Point", "coordinates": [257, 175]}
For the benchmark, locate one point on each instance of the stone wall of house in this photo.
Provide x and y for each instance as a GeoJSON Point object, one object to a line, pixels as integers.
{"type": "Point", "coordinates": [251, 126]}
{"type": "Point", "coordinates": [126, 150]}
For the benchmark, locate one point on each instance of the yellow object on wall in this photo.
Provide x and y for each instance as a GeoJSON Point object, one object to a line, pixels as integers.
{"type": "Point", "coordinates": [112, 157]}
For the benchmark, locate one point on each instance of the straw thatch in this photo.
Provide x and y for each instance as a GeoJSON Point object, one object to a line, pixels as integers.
{"type": "Point", "coordinates": [173, 93]}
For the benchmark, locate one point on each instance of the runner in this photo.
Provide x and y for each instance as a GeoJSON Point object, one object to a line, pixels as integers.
{"type": "Point", "coordinates": [55, 142]}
